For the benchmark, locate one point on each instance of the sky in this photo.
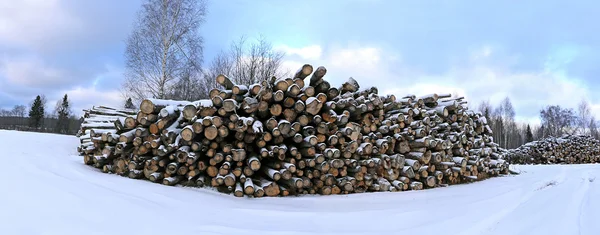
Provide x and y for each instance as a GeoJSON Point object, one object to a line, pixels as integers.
{"type": "Point", "coordinates": [537, 52]}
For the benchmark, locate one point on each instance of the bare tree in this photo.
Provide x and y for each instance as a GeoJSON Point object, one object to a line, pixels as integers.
{"type": "Point", "coordinates": [492, 118]}
{"type": "Point", "coordinates": [189, 87]}
{"type": "Point", "coordinates": [19, 110]}
{"type": "Point", "coordinates": [163, 47]}
{"type": "Point", "coordinates": [5, 113]}
{"type": "Point", "coordinates": [222, 64]}
{"type": "Point", "coordinates": [558, 121]}
{"type": "Point", "coordinates": [594, 128]}
{"type": "Point", "coordinates": [584, 113]}
{"type": "Point", "coordinates": [505, 116]}
{"type": "Point", "coordinates": [247, 64]}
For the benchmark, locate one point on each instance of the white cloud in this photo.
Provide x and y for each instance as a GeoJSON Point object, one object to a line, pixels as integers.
{"type": "Point", "coordinates": [366, 64]}
{"type": "Point", "coordinates": [310, 52]}
{"type": "Point", "coordinates": [22, 78]}
{"type": "Point", "coordinates": [84, 98]}
{"type": "Point", "coordinates": [483, 75]}
{"type": "Point", "coordinates": [32, 23]}
{"type": "Point", "coordinates": [31, 71]}
{"type": "Point", "coordinates": [367, 58]}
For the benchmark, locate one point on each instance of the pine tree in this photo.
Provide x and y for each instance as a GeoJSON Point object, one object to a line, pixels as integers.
{"type": "Point", "coordinates": [63, 109]}
{"type": "Point", "coordinates": [486, 114]}
{"type": "Point", "coordinates": [129, 104]}
{"type": "Point", "coordinates": [528, 135]}
{"type": "Point", "coordinates": [36, 113]}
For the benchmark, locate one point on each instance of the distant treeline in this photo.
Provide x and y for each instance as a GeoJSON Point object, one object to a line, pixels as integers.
{"type": "Point", "coordinates": [555, 121]}
{"type": "Point", "coordinates": [48, 125]}
{"type": "Point", "coordinates": [38, 119]}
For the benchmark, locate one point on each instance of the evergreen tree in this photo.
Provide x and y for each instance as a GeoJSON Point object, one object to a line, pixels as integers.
{"type": "Point", "coordinates": [36, 113]}
{"type": "Point", "coordinates": [528, 135]}
{"type": "Point", "coordinates": [63, 110]}
{"type": "Point", "coordinates": [486, 114]}
{"type": "Point", "coordinates": [129, 104]}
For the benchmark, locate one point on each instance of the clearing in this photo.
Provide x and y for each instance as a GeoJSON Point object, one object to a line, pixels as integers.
{"type": "Point", "coordinates": [46, 189]}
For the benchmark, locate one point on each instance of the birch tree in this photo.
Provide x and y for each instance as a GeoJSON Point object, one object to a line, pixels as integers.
{"type": "Point", "coordinates": [558, 120]}
{"type": "Point", "coordinates": [163, 47]}
{"type": "Point", "coordinates": [584, 113]}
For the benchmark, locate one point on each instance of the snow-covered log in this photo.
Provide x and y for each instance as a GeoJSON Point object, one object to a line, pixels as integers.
{"type": "Point", "coordinates": [567, 149]}
{"type": "Point", "coordinates": [285, 136]}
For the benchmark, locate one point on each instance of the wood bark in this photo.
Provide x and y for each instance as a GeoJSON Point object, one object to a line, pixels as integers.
{"type": "Point", "coordinates": [288, 136]}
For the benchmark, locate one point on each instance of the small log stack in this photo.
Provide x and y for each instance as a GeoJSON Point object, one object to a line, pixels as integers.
{"type": "Point", "coordinates": [567, 149]}
{"type": "Point", "coordinates": [100, 123]}
{"type": "Point", "coordinates": [300, 135]}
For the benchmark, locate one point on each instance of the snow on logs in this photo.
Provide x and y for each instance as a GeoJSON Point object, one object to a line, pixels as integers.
{"type": "Point", "coordinates": [567, 149]}
{"type": "Point", "coordinates": [102, 124]}
{"type": "Point", "coordinates": [291, 136]}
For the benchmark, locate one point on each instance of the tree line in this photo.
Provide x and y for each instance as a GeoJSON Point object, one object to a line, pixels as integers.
{"type": "Point", "coordinates": [38, 112]}
{"type": "Point", "coordinates": [164, 54]}
{"type": "Point", "coordinates": [555, 121]}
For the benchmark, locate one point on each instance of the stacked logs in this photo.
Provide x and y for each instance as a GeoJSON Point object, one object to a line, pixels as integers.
{"type": "Point", "coordinates": [301, 135]}
{"type": "Point", "coordinates": [99, 129]}
{"type": "Point", "coordinates": [567, 149]}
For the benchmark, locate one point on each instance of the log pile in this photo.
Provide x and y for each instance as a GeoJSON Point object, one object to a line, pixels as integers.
{"type": "Point", "coordinates": [101, 124]}
{"type": "Point", "coordinates": [567, 149]}
{"type": "Point", "coordinates": [300, 135]}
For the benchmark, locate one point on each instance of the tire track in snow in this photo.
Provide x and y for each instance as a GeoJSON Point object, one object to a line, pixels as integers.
{"type": "Point", "coordinates": [581, 197]}
{"type": "Point", "coordinates": [489, 223]}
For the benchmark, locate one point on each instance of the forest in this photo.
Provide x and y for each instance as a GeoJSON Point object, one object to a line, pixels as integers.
{"type": "Point", "coordinates": [554, 121]}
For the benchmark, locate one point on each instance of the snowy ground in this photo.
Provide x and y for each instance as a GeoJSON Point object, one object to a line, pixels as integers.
{"type": "Point", "coordinates": [45, 189]}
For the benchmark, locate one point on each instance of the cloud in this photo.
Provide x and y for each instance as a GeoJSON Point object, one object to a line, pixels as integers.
{"type": "Point", "coordinates": [33, 23]}
{"type": "Point", "coordinates": [484, 73]}
{"type": "Point", "coordinates": [474, 49]}
{"type": "Point", "coordinates": [53, 47]}
{"type": "Point", "coordinates": [309, 52]}
{"type": "Point", "coordinates": [84, 98]}
{"type": "Point", "coordinates": [32, 72]}
{"type": "Point", "coordinates": [22, 78]}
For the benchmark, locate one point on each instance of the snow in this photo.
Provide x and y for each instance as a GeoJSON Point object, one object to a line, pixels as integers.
{"type": "Point", "coordinates": [98, 125]}
{"type": "Point", "coordinates": [169, 109]}
{"type": "Point", "coordinates": [257, 127]}
{"type": "Point", "coordinates": [205, 103]}
{"type": "Point", "coordinates": [165, 102]}
{"type": "Point", "coordinates": [102, 119]}
{"type": "Point", "coordinates": [311, 100]}
{"type": "Point", "coordinates": [48, 190]}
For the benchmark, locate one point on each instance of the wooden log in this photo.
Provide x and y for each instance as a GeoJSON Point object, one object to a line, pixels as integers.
{"type": "Point", "coordinates": [317, 77]}
{"type": "Point", "coordinates": [224, 81]}
{"type": "Point", "coordinates": [150, 106]}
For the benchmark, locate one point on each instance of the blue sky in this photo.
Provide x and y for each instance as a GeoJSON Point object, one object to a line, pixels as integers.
{"type": "Point", "coordinates": [536, 52]}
